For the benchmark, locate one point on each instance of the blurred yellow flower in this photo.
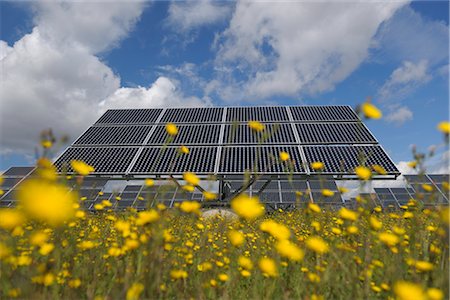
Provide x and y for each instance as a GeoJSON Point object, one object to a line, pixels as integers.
{"type": "Point", "coordinates": [188, 188]}
{"type": "Point", "coordinates": [388, 238]}
{"type": "Point", "coordinates": [210, 196]}
{"type": "Point", "coordinates": [223, 277]}
{"type": "Point", "coordinates": [86, 245]}
{"type": "Point", "coordinates": [317, 165]}
{"type": "Point", "coordinates": [191, 178]}
{"type": "Point", "coordinates": [289, 250]}
{"type": "Point", "coordinates": [74, 283]}
{"type": "Point", "coordinates": [363, 173]}
{"type": "Point", "coordinates": [370, 111]}
{"type": "Point", "coordinates": [444, 126]}
{"type": "Point", "coordinates": [47, 202]}
{"type": "Point", "coordinates": [379, 169]}
{"type": "Point", "coordinates": [435, 294]}
{"type": "Point", "coordinates": [46, 248]}
{"type": "Point", "coordinates": [135, 291]}
{"type": "Point", "coordinates": [412, 164]}
{"type": "Point", "coordinates": [427, 187]}
{"type": "Point", "coordinates": [277, 230]}
{"type": "Point", "coordinates": [190, 207]}
{"type": "Point", "coordinates": [352, 229]}
{"type": "Point", "coordinates": [245, 273]}
{"type": "Point", "coordinates": [145, 217]}
{"type": "Point", "coordinates": [317, 245]}
{"type": "Point", "coordinates": [314, 207]}
{"type": "Point", "coordinates": [149, 182]}
{"type": "Point", "coordinates": [343, 190]}
{"type": "Point", "coordinates": [171, 129]}
{"type": "Point", "coordinates": [347, 214]}
{"type": "Point", "coordinates": [256, 126]}
{"type": "Point", "coordinates": [237, 238]}
{"type": "Point", "coordinates": [424, 266]}
{"type": "Point", "coordinates": [184, 150]}
{"type": "Point", "coordinates": [408, 291]}
{"type": "Point", "coordinates": [38, 238]}
{"type": "Point", "coordinates": [46, 144]}
{"type": "Point", "coordinates": [245, 262]}
{"type": "Point", "coordinates": [375, 223]}
{"type": "Point", "coordinates": [284, 156]}
{"type": "Point", "coordinates": [81, 167]}
{"type": "Point", "coordinates": [247, 207]}
{"type": "Point", "coordinates": [10, 218]}
{"type": "Point", "coordinates": [268, 267]}
{"type": "Point", "coordinates": [178, 274]}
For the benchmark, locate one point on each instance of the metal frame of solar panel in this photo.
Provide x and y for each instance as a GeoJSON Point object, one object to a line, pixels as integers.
{"type": "Point", "coordinates": [12, 179]}
{"type": "Point", "coordinates": [438, 195]}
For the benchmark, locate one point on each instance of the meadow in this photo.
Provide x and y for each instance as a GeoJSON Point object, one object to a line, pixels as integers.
{"type": "Point", "coordinates": [50, 248]}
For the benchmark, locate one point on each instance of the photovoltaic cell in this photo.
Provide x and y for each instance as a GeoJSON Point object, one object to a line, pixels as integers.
{"type": "Point", "coordinates": [104, 160]}
{"type": "Point", "coordinates": [18, 171]}
{"type": "Point", "coordinates": [261, 159]}
{"type": "Point", "coordinates": [344, 159]}
{"type": "Point", "coordinates": [439, 178]}
{"type": "Point", "coordinates": [114, 135]}
{"type": "Point", "coordinates": [193, 115]}
{"type": "Point", "coordinates": [261, 114]}
{"type": "Point", "coordinates": [187, 135]}
{"type": "Point", "coordinates": [334, 133]}
{"type": "Point", "coordinates": [130, 116]}
{"type": "Point", "coordinates": [159, 160]}
{"type": "Point", "coordinates": [273, 134]}
{"type": "Point", "coordinates": [323, 113]}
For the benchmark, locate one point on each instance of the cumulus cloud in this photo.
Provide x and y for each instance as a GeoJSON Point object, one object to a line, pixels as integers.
{"type": "Point", "coordinates": [399, 115]}
{"type": "Point", "coordinates": [190, 15]}
{"type": "Point", "coordinates": [5, 49]}
{"type": "Point", "coordinates": [162, 93]}
{"type": "Point", "coordinates": [405, 79]}
{"type": "Point", "coordinates": [293, 48]}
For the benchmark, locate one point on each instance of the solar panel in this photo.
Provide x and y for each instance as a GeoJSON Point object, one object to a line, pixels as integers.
{"type": "Point", "coordinates": [319, 198]}
{"type": "Point", "coordinates": [344, 159]}
{"type": "Point", "coordinates": [334, 133]}
{"type": "Point", "coordinates": [193, 115]}
{"type": "Point", "coordinates": [104, 160]}
{"type": "Point", "coordinates": [18, 171]}
{"type": "Point", "coordinates": [263, 159]}
{"type": "Point", "coordinates": [273, 134]}
{"type": "Point", "coordinates": [270, 197]}
{"type": "Point", "coordinates": [323, 113]}
{"type": "Point", "coordinates": [159, 160]}
{"type": "Point", "coordinates": [114, 135]}
{"type": "Point", "coordinates": [416, 179]}
{"type": "Point", "coordinates": [261, 114]}
{"type": "Point", "coordinates": [130, 116]}
{"type": "Point", "coordinates": [439, 178]}
{"type": "Point", "coordinates": [187, 135]}
{"type": "Point", "coordinates": [9, 182]}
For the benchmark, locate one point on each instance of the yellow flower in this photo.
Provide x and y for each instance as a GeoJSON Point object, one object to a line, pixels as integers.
{"type": "Point", "coordinates": [10, 218]}
{"type": "Point", "coordinates": [188, 188]}
{"type": "Point", "coordinates": [135, 291]}
{"type": "Point", "coordinates": [314, 207]}
{"type": "Point", "coordinates": [427, 187]}
{"type": "Point", "coordinates": [289, 250]}
{"type": "Point", "coordinates": [363, 173]}
{"type": "Point", "coordinates": [375, 223]}
{"type": "Point", "coordinates": [424, 266]}
{"type": "Point", "coordinates": [47, 201]}
{"type": "Point", "coordinates": [149, 182]}
{"type": "Point", "coordinates": [327, 193]}
{"type": "Point", "coordinates": [379, 169]}
{"type": "Point", "coordinates": [172, 129]}
{"type": "Point", "coordinates": [223, 277]}
{"type": "Point", "coordinates": [81, 167]}
{"type": "Point", "coordinates": [444, 126]}
{"type": "Point", "coordinates": [317, 245]}
{"type": "Point", "coordinates": [256, 126]}
{"type": "Point", "coordinates": [247, 207]}
{"type": "Point", "coordinates": [46, 248]}
{"type": "Point", "coordinates": [277, 230]}
{"type": "Point", "coordinates": [39, 238]}
{"type": "Point", "coordinates": [190, 207]}
{"type": "Point", "coordinates": [317, 165]}
{"type": "Point", "coordinates": [145, 217]}
{"type": "Point", "coordinates": [245, 262]}
{"type": "Point", "coordinates": [412, 164]}
{"type": "Point", "coordinates": [86, 245]}
{"type": "Point", "coordinates": [435, 294]}
{"type": "Point", "coordinates": [245, 273]}
{"type": "Point", "coordinates": [347, 214]}
{"type": "Point", "coordinates": [268, 267]}
{"type": "Point", "coordinates": [203, 267]}
{"type": "Point", "coordinates": [370, 111]}
{"type": "Point", "coordinates": [98, 206]}
{"type": "Point", "coordinates": [209, 196]}
{"type": "Point", "coordinates": [408, 291]}
{"type": "Point", "coordinates": [178, 274]}
{"type": "Point", "coordinates": [388, 238]}
{"type": "Point", "coordinates": [343, 190]}
{"type": "Point", "coordinates": [191, 178]}
{"type": "Point", "coordinates": [352, 229]}
{"type": "Point", "coordinates": [46, 144]}
{"type": "Point", "coordinates": [184, 150]}
{"type": "Point", "coordinates": [237, 238]}
{"type": "Point", "coordinates": [284, 156]}
{"type": "Point", "coordinates": [74, 283]}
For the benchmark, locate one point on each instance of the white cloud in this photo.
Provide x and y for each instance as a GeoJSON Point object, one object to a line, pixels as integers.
{"type": "Point", "coordinates": [405, 79]}
{"type": "Point", "coordinates": [162, 93]}
{"type": "Point", "coordinates": [5, 49]}
{"type": "Point", "coordinates": [292, 48]}
{"type": "Point", "coordinates": [190, 15]}
{"type": "Point", "coordinates": [399, 115]}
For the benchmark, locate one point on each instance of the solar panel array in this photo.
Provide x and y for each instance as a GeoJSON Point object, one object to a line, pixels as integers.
{"type": "Point", "coordinates": [135, 142]}
{"type": "Point", "coordinates": [11, 181]}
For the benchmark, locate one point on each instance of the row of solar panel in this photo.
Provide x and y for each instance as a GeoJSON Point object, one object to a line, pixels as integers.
{"type": "Point", "coordinates": [232, 114]}
{"type": "Point", "coordinates": [232, 160]}
{"type": "Point", "coordinates": [209, 134]}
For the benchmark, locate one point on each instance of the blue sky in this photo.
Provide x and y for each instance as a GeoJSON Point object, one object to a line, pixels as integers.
{"type": "Point", "coordinates": [63, 64]}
